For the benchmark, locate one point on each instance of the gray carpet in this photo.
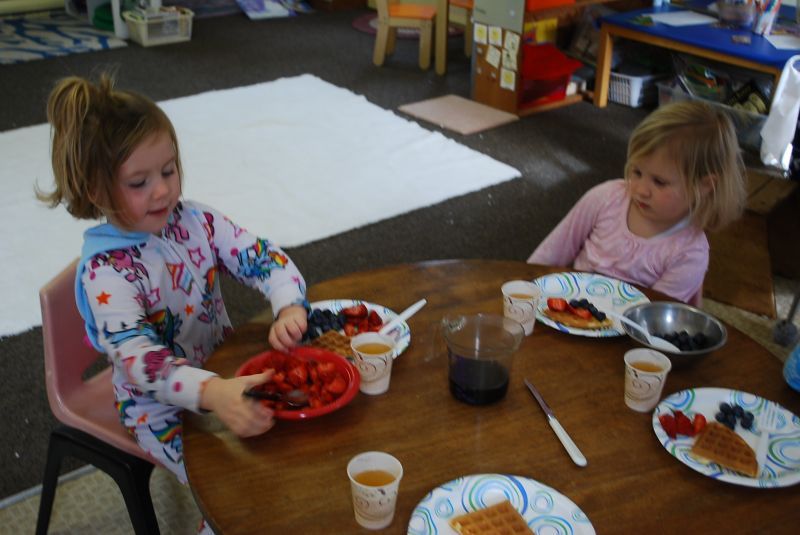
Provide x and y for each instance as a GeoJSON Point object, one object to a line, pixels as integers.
{"type": "Point", "coordinates": [560, 153]}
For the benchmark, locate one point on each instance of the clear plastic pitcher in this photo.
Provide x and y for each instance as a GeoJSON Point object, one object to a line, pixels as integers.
{"type": "Point", "coordinates": [480, 351]}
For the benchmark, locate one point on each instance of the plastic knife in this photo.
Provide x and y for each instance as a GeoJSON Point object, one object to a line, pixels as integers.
{"type": "Point", "coordinates": [561, 433]}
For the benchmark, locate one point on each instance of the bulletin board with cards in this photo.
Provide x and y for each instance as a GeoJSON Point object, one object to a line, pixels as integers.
{"type": "Point", "coordinates": [500, 30]}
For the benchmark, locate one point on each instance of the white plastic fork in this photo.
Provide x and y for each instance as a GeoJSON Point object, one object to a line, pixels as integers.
{"type": "Point", "coordinates": [767, 423]}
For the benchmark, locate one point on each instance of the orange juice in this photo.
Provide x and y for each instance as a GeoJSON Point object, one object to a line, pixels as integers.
{"type": "Point", "coordinates": [522, 296]}
{"type": "Point", "coordinates": [374, 348]}
{"type": "Point", "coordinates": [646, 366]}
{"type": "Point", "coordinates": [374, 478]}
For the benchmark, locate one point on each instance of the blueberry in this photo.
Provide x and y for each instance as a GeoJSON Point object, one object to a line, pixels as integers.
{"type": "Point", "coordinates": [583, 303]}
{"type": "Point", "coordinates": [725, 408]}
{"type": "Point", "coordinates": [601, 316]}
{"type": "Point", "coordinates": [574, 303]}
{"type": "Point", "coordinates": [738, 411]}
{"type": "Point", "coordinates": [721, 417]}
{"type": "Point", "coordinates": [747, 420]}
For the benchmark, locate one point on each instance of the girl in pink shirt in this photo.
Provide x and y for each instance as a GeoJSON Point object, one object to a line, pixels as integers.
{"type": "Point", "coordinates": [684, 175]}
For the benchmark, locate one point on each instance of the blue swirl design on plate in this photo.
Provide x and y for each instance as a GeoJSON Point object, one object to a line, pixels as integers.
{"type": "Point", "coordinates": [604, 292]}
{"type": "Point", "coordinates": [544, 509]}
{"type": "Point", "coordinates": [782, 465]}
{"type": "Point", "coordinates": [401, 333]}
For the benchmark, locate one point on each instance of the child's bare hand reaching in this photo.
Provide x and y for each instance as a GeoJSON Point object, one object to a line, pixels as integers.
{"type": "Point", "coordinates": [244, 416]}
{"type": "Point", "coordinates": [288, 328]}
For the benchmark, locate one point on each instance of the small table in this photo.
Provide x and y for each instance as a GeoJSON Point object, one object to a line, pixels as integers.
{"type": "Point", "coordinates": [293, 480]}
{"type": "Point", "coordinates": [703, 40]}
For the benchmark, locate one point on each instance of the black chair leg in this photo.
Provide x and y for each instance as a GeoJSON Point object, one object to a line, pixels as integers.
{"type": "Point", "coordinates": [131, 474]}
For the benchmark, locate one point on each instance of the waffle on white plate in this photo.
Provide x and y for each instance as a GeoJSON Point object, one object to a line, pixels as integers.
{"type": "Point", "coordinates": [720, 444]}
{"type": "Point", "coordinates": [498, 519]}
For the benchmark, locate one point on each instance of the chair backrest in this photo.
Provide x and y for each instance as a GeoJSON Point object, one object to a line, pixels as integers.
{"type": "Point", "coordinates": [83, 403]}
{"type": "Point", "coordinates": [67, 354]}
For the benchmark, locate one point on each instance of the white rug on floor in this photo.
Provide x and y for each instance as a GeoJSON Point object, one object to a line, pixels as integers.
{"type": "Point", "coordinates": [294, 160]}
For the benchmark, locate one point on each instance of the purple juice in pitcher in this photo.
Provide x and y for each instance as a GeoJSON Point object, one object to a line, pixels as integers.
{"type": "Point", "coordinates": [477, 381]}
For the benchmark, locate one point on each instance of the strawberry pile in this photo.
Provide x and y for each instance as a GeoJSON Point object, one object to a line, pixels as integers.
{"type": "Point", "coordinates": [320, 380]}
{"type": "Point", "coordinates": [358, 319]}
{"type": "Point", "coordinates": [678, 423]}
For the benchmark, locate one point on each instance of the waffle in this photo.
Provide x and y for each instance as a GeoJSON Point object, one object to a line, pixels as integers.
{"type": "Point", "coordinates": [333, 341]}
{"type": "Point", "coordinates": [720, 444]}
{"type": "Point", "coordinates": [498, 519]}
{"type": "Point", "coordinates": [571, 320]}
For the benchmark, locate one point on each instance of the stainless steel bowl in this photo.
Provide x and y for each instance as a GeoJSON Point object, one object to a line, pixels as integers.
{"type": "Point", "coordinates": [661, 317]}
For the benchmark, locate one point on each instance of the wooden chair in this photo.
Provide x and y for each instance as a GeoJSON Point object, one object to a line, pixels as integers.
{"type": "Point", "coordinates": [91, 428]}
{"type": "Point", "coordinates": [467, 6]}
{"type": "Point", "coordinates": [391, 16]}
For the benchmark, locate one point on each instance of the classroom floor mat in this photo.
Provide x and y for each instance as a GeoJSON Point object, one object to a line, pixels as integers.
{"type": "Point", "coordinates": [458, 114]}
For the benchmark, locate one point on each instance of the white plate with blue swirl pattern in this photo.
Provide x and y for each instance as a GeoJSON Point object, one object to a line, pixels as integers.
{"type": "Point", "coordinates": [544, 509]}
{"type": "Point", "coordinates": [782, 466]}
{"type": "Point", "coordinates": [401, 333]}
{"type": "Point", "coordinates": [603, 292]}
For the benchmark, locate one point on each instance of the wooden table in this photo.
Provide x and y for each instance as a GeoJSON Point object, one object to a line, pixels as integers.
{"type": "Point", "coordinates": [292, 479]}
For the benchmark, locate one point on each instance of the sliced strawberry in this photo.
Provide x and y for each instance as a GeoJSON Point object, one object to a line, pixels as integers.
{"type": "Point", "coordinates": [356, 311]}
{"type": "Point", "coordinates": [683, 424]}
{"type": "Point", "coordinates": [699, 423]}
{"type": "Point", "coordinates": [363, 326]}
{"type": "Point", "coordinates": [337, 385]}
{"type": "Point", "coordinates": [668, 424]}
{"type": "Point", "coordinates": [374, 319]}
{"type": "Point", "coordinates": [349, 329]}
{"type": "Point", "coordinates": [557, 304]}
{"type": "Point", "coordinates": [580, 312]}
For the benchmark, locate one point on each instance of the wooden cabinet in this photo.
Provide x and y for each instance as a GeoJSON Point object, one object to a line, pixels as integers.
{"type": "Point", "coordinates": [501, 30]}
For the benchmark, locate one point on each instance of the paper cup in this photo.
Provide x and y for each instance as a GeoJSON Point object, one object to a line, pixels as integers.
{"type": "Point", "coordinates": [374, 354]}
{"type": "Point", "coordinates": [645, 374]}
{"type": "Point", "coordinates": [520, 301]}
{"type": "Point", "coordinates": [374, 479]}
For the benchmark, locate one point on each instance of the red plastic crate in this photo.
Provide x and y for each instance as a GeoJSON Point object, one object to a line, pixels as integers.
{"type": "Point", "coordinates": [534, 5]}
{"type": "Point", "coordinates": [545, 73]}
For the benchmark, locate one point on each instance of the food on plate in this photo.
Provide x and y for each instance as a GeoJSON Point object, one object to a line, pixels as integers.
{"type": "Point", "coordinates": [352, 320]}
{"type": "Point", "coordinates": [333, 341]}
{"type": "Point", "coordinates": [687, 342]}
{"type": "Point", "coordinates": [678, 423]}
{"type": "Point", "coordinates": [497, 519]}
{"type": "Point", "coordinates": [578, 313]}
{"type": "Point", "coordinates": [729, 414]}
{"type": "Point", "coordinates": [321, 381]}
{"type": "Point", "coordinates": [720, 444]}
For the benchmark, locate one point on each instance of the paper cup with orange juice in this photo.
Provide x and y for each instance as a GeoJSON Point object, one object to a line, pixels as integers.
{"type": "Point", "coordinates": [374, 480]}
{"type": "Point", "coordinates": [374, 354]}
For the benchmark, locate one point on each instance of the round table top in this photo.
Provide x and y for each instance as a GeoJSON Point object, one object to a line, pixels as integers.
{"type": "Point", "coordinates": [292, 479]}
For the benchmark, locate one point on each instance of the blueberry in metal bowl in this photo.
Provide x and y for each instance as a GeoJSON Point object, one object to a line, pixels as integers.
{"type": "Point", "coordinates": [694, 331]}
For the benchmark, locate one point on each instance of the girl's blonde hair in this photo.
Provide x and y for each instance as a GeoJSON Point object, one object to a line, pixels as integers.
{"type": "Point", "coordinates": [701, 140]}
{"type": "Point", "coordinates": [94, 129]}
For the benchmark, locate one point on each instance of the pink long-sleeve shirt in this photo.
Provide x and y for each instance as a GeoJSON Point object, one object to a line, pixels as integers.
{"type": "Point", "coordinates": [594, 237]}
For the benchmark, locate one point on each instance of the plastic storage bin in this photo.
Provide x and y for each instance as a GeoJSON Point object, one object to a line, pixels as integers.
{"type": "Point", "coordinates": [748, 125]}
{"type": "Point", "coordinates": [166, 26]}
{"type": "Point", "coordinates": [545, 74]}
{"type": "Point", "coordinates": [633, 91]}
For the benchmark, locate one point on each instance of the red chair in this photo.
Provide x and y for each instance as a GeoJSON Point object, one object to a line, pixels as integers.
{"type": "Point", "coordinates": [91, 429]}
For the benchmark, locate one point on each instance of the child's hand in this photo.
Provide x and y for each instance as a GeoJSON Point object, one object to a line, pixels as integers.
{"type": "Point", "coordinates": [244, 416]}
{"type": "Point", "coordinates": [288, 328]}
